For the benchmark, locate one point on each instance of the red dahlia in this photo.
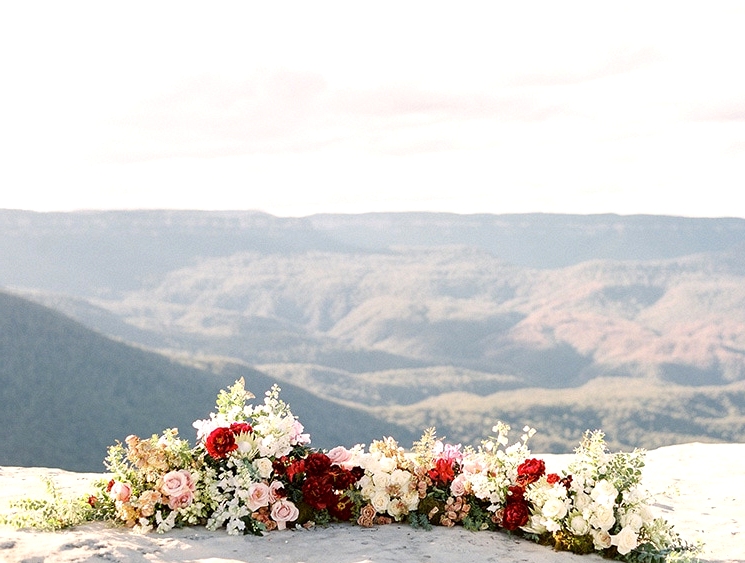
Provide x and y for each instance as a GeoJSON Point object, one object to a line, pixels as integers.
{"type": "Point", "coordinates": [220, 442]}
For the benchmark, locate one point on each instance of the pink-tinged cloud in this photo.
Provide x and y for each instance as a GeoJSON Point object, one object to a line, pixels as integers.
{"type": "Point", "coordinates": [289, 111]}
{"type": "Point", "coordinates": [568, 72]}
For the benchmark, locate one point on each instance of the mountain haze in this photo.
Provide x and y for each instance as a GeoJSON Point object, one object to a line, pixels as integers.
{"type": "Point", "coordinates": [68, 393]}
{"type": "Point", "coordinates": [633, 324]}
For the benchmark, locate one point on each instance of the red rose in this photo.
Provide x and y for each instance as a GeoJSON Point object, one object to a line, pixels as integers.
{"type": "Point", "coordinates": [241, 428]}
{"type": "Point", "coordinates": [516, 514]}
{"type": "Point", "coordinates": [529, 471]}
{"type": "Point", "coordinates": [552, 478]}
{"type": "Point", "coordinates": [220, 442]}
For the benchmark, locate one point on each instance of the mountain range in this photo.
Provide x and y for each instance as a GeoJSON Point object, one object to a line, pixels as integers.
{"type": "Point", "coordinates": [634, 324]}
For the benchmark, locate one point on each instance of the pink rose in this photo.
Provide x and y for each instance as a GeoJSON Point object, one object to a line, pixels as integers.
{"type": "Point", "coordinates": [276, 491]}
{"type": "Point", "coordinates": [458, 486]}
{"type": "Point", "coordinates": [284, 511]}
{"type": "Point", "coordinates": [177, 483]}
{"type": "Point", "coordinates": [121, 491]}
{"type": "Point", "coordinates": [180, 501]}
{"type": "Point", "coordinates": [339, 455]}
{"type": "Point", "coordinates": [258, 496]}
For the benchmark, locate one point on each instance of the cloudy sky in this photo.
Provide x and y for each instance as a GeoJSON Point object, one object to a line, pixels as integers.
{"type": "Point", "coordinates": [297, 108]}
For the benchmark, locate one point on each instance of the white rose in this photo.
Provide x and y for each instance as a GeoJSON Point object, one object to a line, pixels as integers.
{"type": "Point", "coordinates": [379, 501]}
{"type": "Point", "coordinates": [411, 500]}
{"type": "Point", "coordinates": [601, 539]}
{"type": "Point", "coordinates": [582, 501]}
{"type": "Point", "coordinates": [554, 508]}
{"type": "Point", "coordinates": [602, 517]}
{"type": "Point", "coordinates": [264, 466]}
{"type": "Point", "coordinates": [625, 540]}
{"type": "Point", "coordinates": [396, 508]}
{"type": "Point", "coordinates": [535, 525]}
{"type": "Point", "coordinates": [632, 520]}
{"type": "Point", "coordinates": [604, 493]}
{"type": "Point", "coordinates": [381, 480]}
{"type": "Point", "coordinates": [387, 464]}
{"type": "Point", "coordinates": [364, 482]}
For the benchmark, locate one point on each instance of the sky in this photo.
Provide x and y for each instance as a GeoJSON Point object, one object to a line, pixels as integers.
{"type": "Point", "coordinates": [296, 108]}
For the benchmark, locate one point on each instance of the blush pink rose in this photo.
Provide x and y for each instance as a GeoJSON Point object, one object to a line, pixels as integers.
{"type": "Point", "coordinates": [284, 511]}
{"type": "Point", "coordinates": [177, 483]}
{"type": "Point", "coordinates": [458, 486]}
{"type": "Point", "coordinates": [121, 491]}
{"type": "Point", "coordinates": [180, 501]}
{"type": "Point", "coordinates": [339, 455]}
{"type": "Point", "coordinates": [276, 491]}
{"type": "Point", "coordinates": [258, 496]}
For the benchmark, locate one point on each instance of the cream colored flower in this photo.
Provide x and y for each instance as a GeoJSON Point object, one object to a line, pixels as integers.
{"type": "Point", "coordinates": [625, 540]}
{"type": "Point", "coordinates": [264, 467]}
{"type": "Point", "coordinates": [601, 539]}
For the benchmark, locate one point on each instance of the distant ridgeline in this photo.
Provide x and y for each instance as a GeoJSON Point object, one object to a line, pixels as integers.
{"type": "Point", "coordinates": [385, 323]}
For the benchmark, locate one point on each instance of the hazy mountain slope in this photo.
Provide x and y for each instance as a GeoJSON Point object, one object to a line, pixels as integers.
{"type": "Point", "coordinates": [633, 413]}
{"type": "Point", "coordinates": [682, 320]}
{"type": "Point", "coordinates": [94, 253]}
{"type": "Point", "coordinates": [382, 311]}
{"type": "Point", "coordinates": [539, 240]}
{"type": "Point", "coordinates": [67, 393]}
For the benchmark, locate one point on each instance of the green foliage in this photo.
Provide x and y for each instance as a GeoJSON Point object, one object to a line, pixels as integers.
{"type": "Point", "coordinates": [647, 553]}
{"type": "Point", "coordinates": [50, 514]}
{"type": "Point", "coordinates": [478, 517]}
{"type": "Point", "coordinates": [420, 521]}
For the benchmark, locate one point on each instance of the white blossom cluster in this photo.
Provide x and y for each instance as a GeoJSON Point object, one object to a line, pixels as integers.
{"type": "Point", "coordinates": [489, 472]}
{"type": "Point", "coordinates": [604, 500]}
{"type": "Point", "coordinates": [388, 487]}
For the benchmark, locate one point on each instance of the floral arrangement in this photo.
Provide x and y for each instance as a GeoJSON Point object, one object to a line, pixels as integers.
{"type": "Point", "coordinates": [252, 471]}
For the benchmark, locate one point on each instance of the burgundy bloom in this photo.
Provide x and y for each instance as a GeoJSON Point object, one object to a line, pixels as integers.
{"type": "Point", "coordinates": [342, 509]}
{"type": "Point", "coordinates": [516, 514]}
{"type": "Point", "coordinates": [318, 492]}
{"type": "Point", "coordinates": [515, 493]}
{"type": "Point", "coordinates": [342, 478]}
{"type": "Point", "coordinates": [220, 442]}
{"type": "Point", "coordinates": [317, 463]}
{"type": "Point", "coordinates": [567, 482]}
